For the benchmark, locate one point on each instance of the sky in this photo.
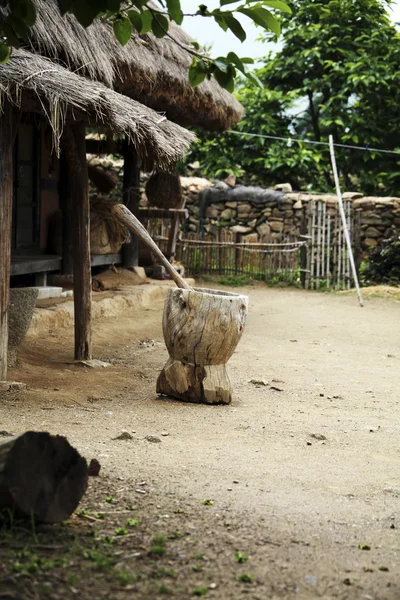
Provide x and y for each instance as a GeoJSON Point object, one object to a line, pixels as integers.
{"type": "Point", "coordinates": [207, 32]}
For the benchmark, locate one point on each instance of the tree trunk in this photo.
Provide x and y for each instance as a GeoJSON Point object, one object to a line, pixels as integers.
{"type": "Point", "coordinates": [201, 330]}
{"type": "Point", "coordinates": [41, 475]}
{"type": "Point", "coordinates": [131, 199]}
{"type": "Point", "coordinates": [6, 198]}
{"type": "Point", "coordinates": [75, 150]}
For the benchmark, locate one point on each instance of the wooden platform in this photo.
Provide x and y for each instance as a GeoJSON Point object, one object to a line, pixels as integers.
{"type": "Point", "coordinates": [47, 263]}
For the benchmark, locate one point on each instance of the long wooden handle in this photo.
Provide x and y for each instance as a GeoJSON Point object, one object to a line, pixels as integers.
{"type": "Point", "coordinates": [124, 216]}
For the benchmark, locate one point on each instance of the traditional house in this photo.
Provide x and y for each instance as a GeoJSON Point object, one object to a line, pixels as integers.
{"type": "Point", "coordinates": [65, 79]}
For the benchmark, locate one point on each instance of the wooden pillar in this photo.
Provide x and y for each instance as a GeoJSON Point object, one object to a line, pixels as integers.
{"type": "Point", "coordinates": [66, 209]}
{"type": "Point", "coordinates": [6, 198]}
{"type": "Point", "coordinates": [131, 199]}
{"type": "Point", "coordinates": [75, 150]}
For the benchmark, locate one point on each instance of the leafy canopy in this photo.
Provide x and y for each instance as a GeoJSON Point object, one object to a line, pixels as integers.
{"type": "Point", "coordinates": [338, 73]}
{"type": "Point", "coordinates": [143, 16]}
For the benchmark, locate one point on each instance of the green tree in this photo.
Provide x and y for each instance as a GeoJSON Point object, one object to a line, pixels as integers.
{"type": "Point", "coordinates": [143, 16]}
{"type": "Point", "coordinates": [339, 65]}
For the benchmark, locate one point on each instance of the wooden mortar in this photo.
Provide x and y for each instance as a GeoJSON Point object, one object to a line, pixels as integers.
{"type": "Point", "coordinates": [201, 329]}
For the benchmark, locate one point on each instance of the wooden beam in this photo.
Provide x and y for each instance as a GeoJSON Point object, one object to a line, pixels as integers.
{"type": "Point", "coordinates": [66, 209]}
{"type": "Point", "coordinates": [131, 199]}
{"type": "Point", "coordinates": [6, 198]}
{"type": "Point", "coordinates": [75, 152]}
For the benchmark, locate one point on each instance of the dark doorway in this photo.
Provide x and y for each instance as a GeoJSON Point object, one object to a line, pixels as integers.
{"type": "Point", "coordinates": [26, 206]}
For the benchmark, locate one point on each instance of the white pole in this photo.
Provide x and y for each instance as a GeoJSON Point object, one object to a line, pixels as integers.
{"type": "Point", "coordinates": [343, 216]}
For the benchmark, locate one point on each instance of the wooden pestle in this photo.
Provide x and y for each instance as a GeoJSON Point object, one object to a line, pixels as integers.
{"type": "Point", "coordinates": [124, 216]}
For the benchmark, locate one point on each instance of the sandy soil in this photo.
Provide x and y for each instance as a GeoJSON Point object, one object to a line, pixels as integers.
{"type": "Point", "coordinates": [303, 473]}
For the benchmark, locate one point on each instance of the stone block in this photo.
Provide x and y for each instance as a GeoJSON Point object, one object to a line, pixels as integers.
{"type": "Point", "coordinates": [372, 232]}
{"type": "Point", "coordinates": [276, 226]}
{"type": "Point", "coordinates": [264, 230]}
{"type": "Point", "coordinates": [227, 214]}
{"type": "Point", "coordinates": [241, 229]}
{"type": "Point", "coordinates": [252, 223]}
{"type": "Point", "coordinates": [283, 187]}
{"type": "Point", "coordinates": [297, 205]}
{"type": "Point", "coordinates": [231, 204]}
{"type": "Point", "coordinates": [46, 291]}
{"type": "Point", "coordinates": [211, 212]}
{"type": "Point", "coordinates": [370, 242]}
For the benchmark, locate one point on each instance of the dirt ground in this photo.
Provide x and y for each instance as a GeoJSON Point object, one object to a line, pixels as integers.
{"type": "Point", "coordinates": [292, 491]}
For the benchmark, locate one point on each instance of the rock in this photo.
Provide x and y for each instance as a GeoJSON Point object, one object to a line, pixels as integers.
{"type": "Point", "coordinates": [297, 205]}
{"type": "Point", "coordinates": [12, 386]}
{"type": "Point", "coordinates": [231, 205]}
{"type": "Point", "coordinates": [227, 214]}
{"type": "Point", "coordinates": [240, 229]}
{"type": "Point", "coordinates": [372, 232]}
{"type": "Point", "coordinates": [259, 382]}
{"type": "Point", "coordinates": [318, 436]}
{"type": "Point", "coordinates": [94, 468]}
{"type": "Point", "coordinates": [370, 242]}
{"type": "Point", "coordinates": [212, 213]}
{"type": "Point", "coordinates": [94, 363]}
{"type": "Point", "coordinates": [276, 226]}
{"type": "Point", "coordinates": [243, 208]}
{"type": "Point", "coordinates": [4, 433]}
{"type": "Point", "coordinates": [125, 435]}
{"type": "Point", "coordinates": [283, 187]}
{"type": "Point", "coordinates": [252, 223]}
{"type": "Point", "coordinates": [152, 438]}
{"type": "Point", "coordinates": [264, 230]}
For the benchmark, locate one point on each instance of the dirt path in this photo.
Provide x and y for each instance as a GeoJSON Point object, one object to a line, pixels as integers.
{"type": "Point", "coordinates": [303, 473]}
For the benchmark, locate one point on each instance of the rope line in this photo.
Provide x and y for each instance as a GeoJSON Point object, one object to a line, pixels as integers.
{"type": "Point", "coordinates": [289, 140]}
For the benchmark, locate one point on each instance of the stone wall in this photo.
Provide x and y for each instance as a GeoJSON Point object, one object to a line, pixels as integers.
{"type": "Point", "coordinates": [281, 216]}
{"type": "Point", "coordinates": [265, 214]}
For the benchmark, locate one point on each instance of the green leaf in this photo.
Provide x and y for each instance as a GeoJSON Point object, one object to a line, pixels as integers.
{"type": "Point", "coordinates": [147, 20]}
{"type": "Point", "coordinates": [175, 11]}
{"type": "Point", "coordinates": [262, 17]}
{"type": "Point", "coordinates": [253, 78]}
{"type": "Point", "coordinates": [220, 20]}
{"type": "Point", "coordinates": [221, 64]}
{"type": "Point", "coordinates": [225, 80]}
{"type": "Point", "coordinates": [196, 75]}
{"type": "Point", "coordinates": [4, 53]}
{"type": "Point", "coordinates": [159, 25]}
{"type": "Point", "coordinates": [135, 19]}
{"type": "Point", "coordinates": [85, 13]}
{"type": "Point", "coordinates": [25, 10]}
{"type": "Point", "coordinates": [279, 5]}
{"type": "Point", "coordinates": [235, 26]}
{"type": "Point", "coordinates": [123, 30]}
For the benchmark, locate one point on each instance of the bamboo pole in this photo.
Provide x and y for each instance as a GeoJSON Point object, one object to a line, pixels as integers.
{"type": "Point", "coordinates": [346, 233]}
{"type": "Point", "coordinates": [328, 253]}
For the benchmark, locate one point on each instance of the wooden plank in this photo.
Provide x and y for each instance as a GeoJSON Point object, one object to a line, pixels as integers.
{"type": "Point", "coordinates": [131, 199]}
{"type": "Point", "coordinates": [75, 151]}
{"type": "Point", "coordinates": [6, 198]}
{"type": "Point", "coordinates": [24, 265]}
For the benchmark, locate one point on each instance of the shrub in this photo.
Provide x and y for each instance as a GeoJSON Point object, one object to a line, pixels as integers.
{"type": "Point", "coordinates": [383, 264]}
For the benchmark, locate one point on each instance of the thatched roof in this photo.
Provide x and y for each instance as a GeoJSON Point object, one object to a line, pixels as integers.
{"type": "Point", "coordinates": [38, 84]}
{"type": "Point", "coordinates": [150, 70]}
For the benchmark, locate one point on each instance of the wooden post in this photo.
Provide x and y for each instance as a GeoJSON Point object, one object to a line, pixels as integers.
{"type": "Point", "coordinates": [6, 198]}
{"type": "Point", "coordinates": [131, 199]}
{"type": "Point", "coordinates": [66, 209]}
{"type": "Point", "coordinates": [75, 150]}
